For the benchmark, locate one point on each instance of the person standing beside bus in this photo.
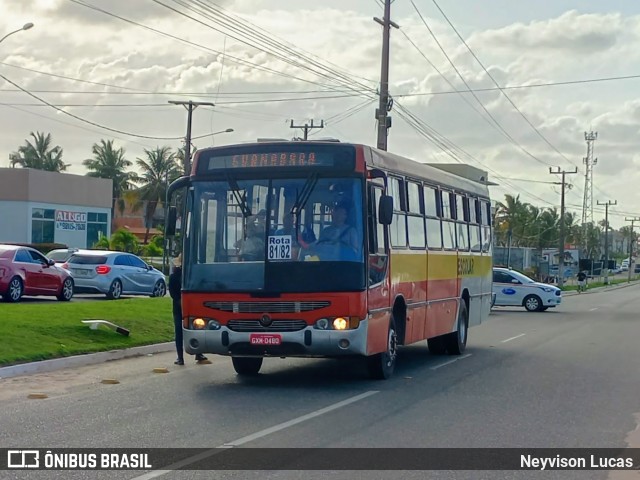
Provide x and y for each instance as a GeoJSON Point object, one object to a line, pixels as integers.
{"type": "Point", "coordinates": [175, 290]}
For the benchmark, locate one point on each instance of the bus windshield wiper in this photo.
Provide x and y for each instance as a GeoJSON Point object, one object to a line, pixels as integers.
{"type": "Point", "coordinates": [305, 193]}
{"type": "Point", "coordinates": [302, 198]}
{"type": "Point", "coordinates": [240, 198]}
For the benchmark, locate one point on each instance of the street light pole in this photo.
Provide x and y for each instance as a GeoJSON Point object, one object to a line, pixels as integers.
{"type": "Point", "coordinates": [26, 26]}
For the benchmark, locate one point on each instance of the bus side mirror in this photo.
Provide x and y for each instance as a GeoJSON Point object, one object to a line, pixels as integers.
{"type": "Point", "coordinates": [385, 210]}
{"type": "Point", "coordinates": [170, 228]}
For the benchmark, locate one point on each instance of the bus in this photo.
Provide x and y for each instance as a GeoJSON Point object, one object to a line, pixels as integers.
{"type": "Point", "coordinates": [329, 249]}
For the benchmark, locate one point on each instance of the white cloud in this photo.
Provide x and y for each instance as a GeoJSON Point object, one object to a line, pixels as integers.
{"type": "Point", "coordinates": [75, 41]}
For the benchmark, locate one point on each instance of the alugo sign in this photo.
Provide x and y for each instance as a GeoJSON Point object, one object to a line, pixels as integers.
{"type": "Point", "coordinates": [74, 221]}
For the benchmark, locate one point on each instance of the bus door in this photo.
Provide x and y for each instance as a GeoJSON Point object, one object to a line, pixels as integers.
{"type": "Point", "coordinates": [378, 295]}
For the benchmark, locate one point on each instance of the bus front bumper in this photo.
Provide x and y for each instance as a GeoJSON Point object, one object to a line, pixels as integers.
{"type": "Point", "coordinates": [309, 342]}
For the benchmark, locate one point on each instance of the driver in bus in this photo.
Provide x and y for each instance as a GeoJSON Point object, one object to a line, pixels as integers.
{"type": "Point", "coordinates": [340, 233]}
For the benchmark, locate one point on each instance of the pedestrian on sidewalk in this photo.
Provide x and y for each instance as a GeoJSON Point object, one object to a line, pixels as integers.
{"type": "Point", "coordinates": [175, 290]}
{"type": "Point", "coordinates": [582, 282]}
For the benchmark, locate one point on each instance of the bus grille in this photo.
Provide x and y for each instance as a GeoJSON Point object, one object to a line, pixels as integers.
{"type": "Point", "coordinates": [276, 326]}
{"type": "Point", "coordinates": [267, 307]}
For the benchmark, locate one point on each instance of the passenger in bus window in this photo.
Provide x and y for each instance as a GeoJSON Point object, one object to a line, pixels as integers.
{"type": "Point", "coordinates": [251, 248]}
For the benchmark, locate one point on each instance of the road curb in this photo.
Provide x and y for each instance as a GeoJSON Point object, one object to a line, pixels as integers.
{"type": "Point", "coordinates": [83, 360]}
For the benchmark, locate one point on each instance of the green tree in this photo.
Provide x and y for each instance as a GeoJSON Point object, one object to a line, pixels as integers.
{"type": "Point", "coordinates": [509, 219]}
{"type": "Point", "coordinates": [39, 155]}
{"type": "Point", "coordinates": [110, 162]}
{"type": "Point", "coordinates": [158, 170]}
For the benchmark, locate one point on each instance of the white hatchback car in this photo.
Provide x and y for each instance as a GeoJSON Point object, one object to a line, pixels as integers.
{"type": "Point", "coordinates": [513, 289]}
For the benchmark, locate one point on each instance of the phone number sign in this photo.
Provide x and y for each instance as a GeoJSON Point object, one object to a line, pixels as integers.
{"type": "Point", "coordinates": [71, 221]}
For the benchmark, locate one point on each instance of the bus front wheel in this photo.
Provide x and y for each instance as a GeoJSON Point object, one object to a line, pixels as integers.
{"type": "Point", "coordinates": [381, 365]}
{"type": "Point", "coordinates": [246, 365]}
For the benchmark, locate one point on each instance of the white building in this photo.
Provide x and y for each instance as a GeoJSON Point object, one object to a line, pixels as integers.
{"type": "Point", "coordinates": [47, 207]}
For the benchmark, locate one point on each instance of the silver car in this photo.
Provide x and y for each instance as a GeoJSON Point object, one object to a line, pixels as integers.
{"type": "Point", "coordinates": [115, 274]}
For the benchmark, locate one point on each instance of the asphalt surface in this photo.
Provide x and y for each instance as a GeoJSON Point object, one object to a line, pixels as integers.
{"type": "Point", "coordinates": [568, 377]}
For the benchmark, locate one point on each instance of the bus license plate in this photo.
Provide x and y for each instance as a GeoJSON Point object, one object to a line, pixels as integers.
{"type": "Point", "coordinates": [262, 339]}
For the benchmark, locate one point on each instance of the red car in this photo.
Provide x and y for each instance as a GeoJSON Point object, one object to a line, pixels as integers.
{"type": "Point", "coordinates": [25, 271]}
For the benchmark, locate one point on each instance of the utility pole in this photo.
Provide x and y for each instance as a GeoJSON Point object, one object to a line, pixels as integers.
{"type": "Point", "coordinates": [587, 201]}
{"type": "Point", "coordinates": [562, 232]}
{"type": "Point", "coordinates": [308, 127]}
{"type": "Point", "coordinates": [606, 237]}
{"type": "Point", "coordinates": [384, 121]}
{"type": "Point", "coordinates": [190, 106]}
{"type": "Point", "coordinates": [631, 235]}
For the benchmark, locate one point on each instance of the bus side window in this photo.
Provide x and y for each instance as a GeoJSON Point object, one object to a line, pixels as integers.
{"type": "Point", "coordinates": [462, 226]}
{"type": "Point", "coordinates": [378, 257]}
{"type": "Point", "coordinates": [398, 229]}
{"type": "Point", "coordinates": [474, 226]}
{"type": "Point", "coordinates": [415, 219]}
{"type": "Point", "coordinates": [448, 225]}
{"type": "Point", "coordinates": [485, 213]}
{"type": "Point", "coordinates": [431, 210]}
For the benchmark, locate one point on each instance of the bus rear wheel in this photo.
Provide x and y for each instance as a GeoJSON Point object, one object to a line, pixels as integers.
{"type": "Point", "coordinates": [382, 365]}
{"type": "Point", "coordinates": [456, 341]}
{"type": "Point", "coordinates": [246, 365]}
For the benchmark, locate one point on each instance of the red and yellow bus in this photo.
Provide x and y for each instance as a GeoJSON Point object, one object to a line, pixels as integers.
{"type": "Point", "coordinates": [327, 249]}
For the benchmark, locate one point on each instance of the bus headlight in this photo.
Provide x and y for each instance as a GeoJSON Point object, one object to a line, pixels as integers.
{"type": "Point", "coordinates": [340, 323]}
{"type": "Point", "coordinates": [198, 324]}
{"type": "Point", "coordinates": [337, 323]}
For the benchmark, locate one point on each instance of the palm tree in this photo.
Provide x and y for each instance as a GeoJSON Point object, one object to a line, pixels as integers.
{"type": "Point", "coordinates": [39, 154]}
{"type": "Point", "coordinates": [508, 217]}
{"type": "Point", "coordinates": [158, 170]}
{"type": "Point", "coordinates": [109, 162]}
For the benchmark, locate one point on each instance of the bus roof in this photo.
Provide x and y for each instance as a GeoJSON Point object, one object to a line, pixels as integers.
{"type": "Point", "coordinates": [457, 176]}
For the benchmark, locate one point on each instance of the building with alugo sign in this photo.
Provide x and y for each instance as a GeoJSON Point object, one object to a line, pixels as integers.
{"type": "Point", "coordinates": [47, 207]}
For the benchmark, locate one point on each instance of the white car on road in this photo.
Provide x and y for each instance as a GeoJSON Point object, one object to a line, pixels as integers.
{"type": "Point", "coordinates": [513, 289]}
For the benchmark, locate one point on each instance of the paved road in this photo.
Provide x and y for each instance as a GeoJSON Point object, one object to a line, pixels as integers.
{"type": "Point", "coordinates": [568, 377]}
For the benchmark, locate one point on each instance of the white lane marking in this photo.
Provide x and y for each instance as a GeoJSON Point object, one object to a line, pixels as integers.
{"type": "Point", "coordinates": [593, 309]}
{"type": "Point", "coordinates": [255, 436]}
{"type": "Point", "coordinates": [513, 338]}
{"type": "Point", "coordinates": [435, 367]}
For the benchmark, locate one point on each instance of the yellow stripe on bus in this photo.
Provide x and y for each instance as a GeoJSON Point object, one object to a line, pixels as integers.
{"type": "Point", "coordinates": [412, 267]}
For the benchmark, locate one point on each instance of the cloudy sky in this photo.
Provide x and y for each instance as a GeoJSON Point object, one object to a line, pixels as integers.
{"type": "Point", "coordinates": [117, 63]}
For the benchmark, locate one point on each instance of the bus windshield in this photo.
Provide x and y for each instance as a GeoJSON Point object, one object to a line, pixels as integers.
{"type": "Point", "coordinates": [302, 234]}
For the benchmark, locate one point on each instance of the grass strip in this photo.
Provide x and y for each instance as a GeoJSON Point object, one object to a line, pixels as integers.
{"type": "Point", "coordinates": [31, 332]}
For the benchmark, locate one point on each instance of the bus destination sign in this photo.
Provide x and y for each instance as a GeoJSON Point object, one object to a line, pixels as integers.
{"type": "Point", "coordinates": [273, 160]}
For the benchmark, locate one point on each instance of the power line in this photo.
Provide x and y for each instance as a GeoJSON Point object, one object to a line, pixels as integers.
{"type": "Point", "coordinates": [505, 133]}
{"type": "Point", "coordinates": [514, 87]}
{"type": "Point", "coordinates": [72, 125]}
{"type": "Point", "coordinates": [497, 85]}
{"type": "Point", "coordinates": [197, 45]}
{"type": "Point", "coordinates": [236, 33]}
{"type": "Point", "coordinates": [502, 90]}
{"type": "Point", "coordinates": [83, 119]}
